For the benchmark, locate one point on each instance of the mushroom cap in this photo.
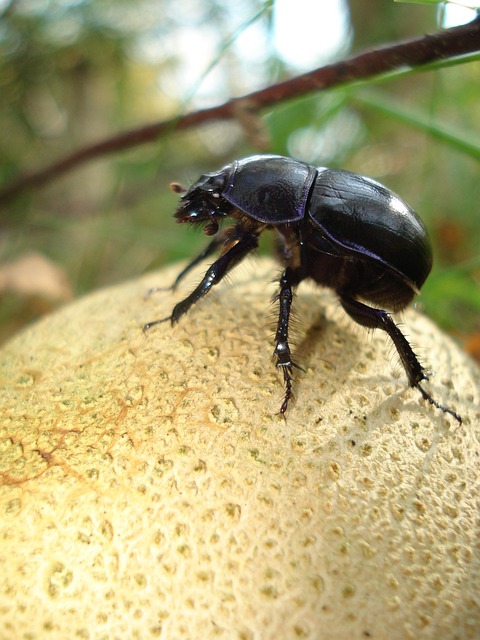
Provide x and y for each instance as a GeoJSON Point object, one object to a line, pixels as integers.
{"type": "Point", "coordinates": [149, 488]}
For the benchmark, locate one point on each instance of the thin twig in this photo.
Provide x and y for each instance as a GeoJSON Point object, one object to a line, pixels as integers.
{"type": "Point", "coordinates": [409, 54]}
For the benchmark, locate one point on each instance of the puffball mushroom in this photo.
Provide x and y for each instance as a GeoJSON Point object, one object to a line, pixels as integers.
{"type": "Point", "coordinates": [151, 490]}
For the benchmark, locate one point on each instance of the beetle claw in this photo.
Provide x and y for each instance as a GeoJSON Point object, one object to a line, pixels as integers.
{"type": "Point", "coordinates": [426, 396]}
{"type": "Point", "coordinates": [288, 380]}
{"type": "Point", "coordinates": [149, 325]}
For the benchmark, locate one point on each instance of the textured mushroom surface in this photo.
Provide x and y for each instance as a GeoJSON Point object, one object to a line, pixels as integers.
{"type": "Point", "coordinates": [149, 488]}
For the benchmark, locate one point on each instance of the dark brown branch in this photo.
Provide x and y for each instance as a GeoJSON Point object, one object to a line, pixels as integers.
{"type": "Point", "coordinates": [409, 54]}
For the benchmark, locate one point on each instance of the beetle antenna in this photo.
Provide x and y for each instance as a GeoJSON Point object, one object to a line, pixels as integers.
{"type": "Point", "coordinates": [426, 396]}
{"type": "Point", "coordinates": [177, 188]}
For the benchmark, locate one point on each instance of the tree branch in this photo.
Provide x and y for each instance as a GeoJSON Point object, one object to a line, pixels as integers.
{"type": "Point", "coordinates": [409, 54]}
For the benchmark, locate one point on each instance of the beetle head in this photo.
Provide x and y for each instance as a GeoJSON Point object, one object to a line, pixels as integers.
{"type": "Point", "coordinates": [203, 202]}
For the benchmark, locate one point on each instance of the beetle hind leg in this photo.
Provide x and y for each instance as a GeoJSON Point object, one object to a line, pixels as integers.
{"type": "Point", "coordinates": [426, 396]}
{"type": "Point", "coordinates": [380, 319]}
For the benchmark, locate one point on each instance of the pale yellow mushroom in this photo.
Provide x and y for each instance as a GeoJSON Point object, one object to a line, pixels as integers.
{"type": "Point", "coordinates": [151, 490]}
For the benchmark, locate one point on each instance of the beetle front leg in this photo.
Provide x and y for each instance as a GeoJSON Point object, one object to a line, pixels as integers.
{"type": "Point", "coordinates": [380, 319]}
{"type": "Point", "coordinates": [282, 351]}
{"type": "Point", "coordinates": [215, 273]}
{"type": "Point", "coordinates": [207, 251]}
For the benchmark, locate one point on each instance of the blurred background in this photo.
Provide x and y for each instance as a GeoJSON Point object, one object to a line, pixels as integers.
{"type": "Point", "coordinates": [73, 72]}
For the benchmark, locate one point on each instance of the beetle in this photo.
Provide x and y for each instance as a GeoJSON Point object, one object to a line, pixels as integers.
{"type": "Point", "coordinates": [342, 230]}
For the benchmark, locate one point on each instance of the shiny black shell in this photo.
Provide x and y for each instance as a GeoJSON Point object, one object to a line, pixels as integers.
{"type": "Point", "coordinates": [358, 216]}
{"type": "Point", "coordinates": [362, 216]}
{"type": "Point", "coordinates": [271, 189]}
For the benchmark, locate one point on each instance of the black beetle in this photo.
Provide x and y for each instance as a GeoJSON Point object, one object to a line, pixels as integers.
{"type": "Point", "coordinates": [340, 229]}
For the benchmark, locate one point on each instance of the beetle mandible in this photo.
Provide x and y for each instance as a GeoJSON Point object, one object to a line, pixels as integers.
{"type": "Point", "coordinates": [343, 230]}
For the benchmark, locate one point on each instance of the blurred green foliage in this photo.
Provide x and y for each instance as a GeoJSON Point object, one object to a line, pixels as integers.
{"type": "Point", "coordinates": [73, 72]}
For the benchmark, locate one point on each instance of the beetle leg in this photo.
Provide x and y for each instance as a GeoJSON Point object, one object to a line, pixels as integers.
{"type": "Point", "coordinates": [207, 251]}
{"type": "Point", "coordinates": [215, 273]}
{"type": "Point", "coordinates": [380, 319]}
{"type": "Point", "coordinates": [282, 353]}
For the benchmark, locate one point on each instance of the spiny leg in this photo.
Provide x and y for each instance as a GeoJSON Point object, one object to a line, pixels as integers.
{"type": "Point", "coordinates": [379, 319]}
{"type": "Point", "coordinates": [207, 251]}
{"type": "Point", "coordinates": [290, 278]}
{"type": "Point", "coordinates": [214, 274]}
